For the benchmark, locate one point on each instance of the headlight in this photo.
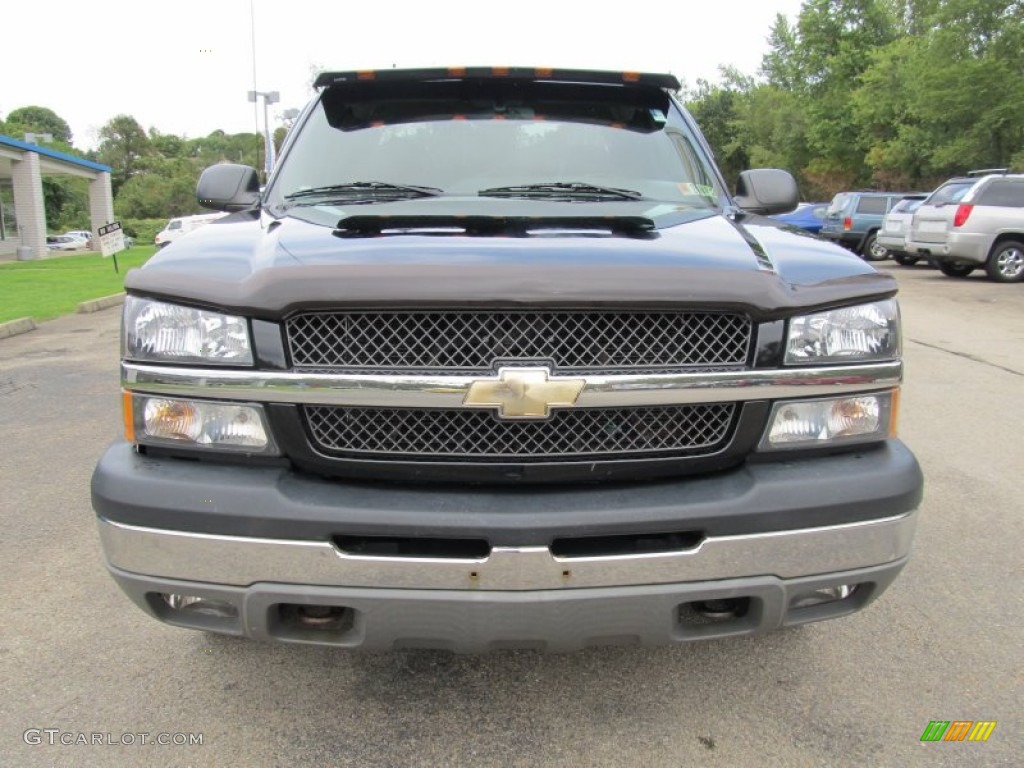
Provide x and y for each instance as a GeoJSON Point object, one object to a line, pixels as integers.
{"type": "Point", "coordinates": [835, 421]}
{"type": "Point", "coordinates": [159, 332]}
{"type": "Point", "coordinates": [862, 333]}
{"type": "Point", "coordinates": [221, 426]}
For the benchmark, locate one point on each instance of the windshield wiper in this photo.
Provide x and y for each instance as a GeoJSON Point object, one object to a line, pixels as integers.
{"type": "Point", "coordinates": [366, 189]}
{"type": "Point", "coordinates": [564, 189]}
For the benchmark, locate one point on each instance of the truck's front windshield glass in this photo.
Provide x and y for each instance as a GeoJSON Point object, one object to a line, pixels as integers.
{"type": "Point", "coordinates": [565, 144]}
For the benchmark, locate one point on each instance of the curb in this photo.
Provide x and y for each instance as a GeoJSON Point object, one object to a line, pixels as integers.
{"type": "Point", "coordinates": [14, 327]}
{"type": "Point", "coordinates": [95, 305]}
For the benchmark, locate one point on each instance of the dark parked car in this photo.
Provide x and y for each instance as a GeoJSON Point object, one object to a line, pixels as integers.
{"type": "Point", "coordinates": [808, 216]}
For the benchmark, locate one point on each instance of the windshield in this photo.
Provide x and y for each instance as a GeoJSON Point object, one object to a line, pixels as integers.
{"type": "Point", "coordinates": [908, 205]}
{"type": "Point", "coordinates": [550, 144]}
{"type": "Point", "coordinates": [838, 203]}
{"type": "Point", "coordinates": [950, 192]}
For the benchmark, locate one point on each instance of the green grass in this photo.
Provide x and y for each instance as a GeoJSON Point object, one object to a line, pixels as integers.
{"type": "Point", "coordinates": [52, 287]}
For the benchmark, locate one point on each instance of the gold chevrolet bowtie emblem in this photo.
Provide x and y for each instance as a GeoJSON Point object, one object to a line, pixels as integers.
{"type": "Point", "coordinates": [523, 393]}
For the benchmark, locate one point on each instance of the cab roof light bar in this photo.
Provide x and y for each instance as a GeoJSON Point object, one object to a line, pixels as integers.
{"type": "Point", "coordinates": [504, 73]}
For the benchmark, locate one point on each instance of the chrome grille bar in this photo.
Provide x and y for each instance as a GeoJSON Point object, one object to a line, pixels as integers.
{"type": "Point", "coordinates": [450, 391]}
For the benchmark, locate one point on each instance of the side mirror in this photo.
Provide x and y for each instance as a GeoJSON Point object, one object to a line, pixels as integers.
{"type": "Point", "coordinates": [228, 187]}
{"type": "Point", "coordinates": [766, 190]}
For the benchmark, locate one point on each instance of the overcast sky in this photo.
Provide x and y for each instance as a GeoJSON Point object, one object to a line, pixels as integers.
{"type": "Point", "coordinates": [185, 66]}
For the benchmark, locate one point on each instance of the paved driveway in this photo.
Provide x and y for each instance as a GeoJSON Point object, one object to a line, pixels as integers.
{"type": "Point", "coordinates": [944, 643]}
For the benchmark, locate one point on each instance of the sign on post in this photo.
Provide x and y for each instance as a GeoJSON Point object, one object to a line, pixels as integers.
{"type": "Point", "coordinates": [111, 238]}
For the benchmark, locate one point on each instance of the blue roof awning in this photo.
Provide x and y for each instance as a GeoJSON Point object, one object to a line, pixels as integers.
{"type": "Point", "coordinates": [79, 161]}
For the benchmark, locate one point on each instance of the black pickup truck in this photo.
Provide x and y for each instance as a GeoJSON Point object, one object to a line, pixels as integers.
{"type": "Point", "coordinates": [496, 360]}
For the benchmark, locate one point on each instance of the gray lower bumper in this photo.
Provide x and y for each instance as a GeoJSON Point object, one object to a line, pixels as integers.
{"type": "Point", "coordinates": [473, 622]}
{"type": "Point", "coordinates": [514, 597]}
{"type": "Point", "coordinates": [262, 542]}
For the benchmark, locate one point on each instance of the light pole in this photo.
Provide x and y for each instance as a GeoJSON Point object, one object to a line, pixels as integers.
{"type": "Point", "coordinates": [269, 97]}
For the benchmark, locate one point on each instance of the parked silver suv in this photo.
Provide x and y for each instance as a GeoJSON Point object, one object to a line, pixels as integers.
{"type": "Point", "coordinates": [974, 221]}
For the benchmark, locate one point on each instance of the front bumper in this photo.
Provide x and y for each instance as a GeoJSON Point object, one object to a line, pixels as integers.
{"type": "Point", "coordinates": [262, 540]}
{"type": "Point", "coordinates": [475, 621]}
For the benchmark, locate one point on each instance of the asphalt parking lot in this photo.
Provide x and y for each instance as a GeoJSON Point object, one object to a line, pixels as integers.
{"type": "Point", "coordinates": [944, 643]}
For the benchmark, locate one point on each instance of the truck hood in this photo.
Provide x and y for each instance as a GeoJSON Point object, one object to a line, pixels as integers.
{"type": "Point", "coordinates": [266, 267]}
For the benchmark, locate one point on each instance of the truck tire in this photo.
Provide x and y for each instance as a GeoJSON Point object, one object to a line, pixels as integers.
{"type": "Point", "coordinates": [1006, 262]}
{"type": "Point", "coordinates": [905, 259]}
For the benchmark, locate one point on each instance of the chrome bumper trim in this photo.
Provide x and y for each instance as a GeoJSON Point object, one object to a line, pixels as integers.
{"type": "Point", "coordinates": [232, 560]}
{"type": "Point", "coordinates": [398, 391]}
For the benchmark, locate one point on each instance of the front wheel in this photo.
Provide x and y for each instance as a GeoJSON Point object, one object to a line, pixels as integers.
{"type": "Point", "coordinates": [1006, 264]}
{"type": "Point", "coordinates": [905, 259]}
{"type": "Point", "coordinates": [955, 268]}
{"type": "Point", "coordinates": [873, 250]}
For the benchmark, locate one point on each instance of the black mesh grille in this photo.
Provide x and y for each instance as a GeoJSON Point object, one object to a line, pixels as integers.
{"type": "Point", "coordinates": [569, 435]}
{"type": "Point", "coordinates": [474, 341]}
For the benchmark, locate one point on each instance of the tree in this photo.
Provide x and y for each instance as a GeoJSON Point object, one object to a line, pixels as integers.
{"type": "Point", "coordinates": [949, 98]}
{"type": "Point", "coordinates": [715, 108]}
{"type": "Point", "coordinates": [280, 133]}
{"type": "Point", "coordinates": [780, 65]}
{"type": "Point", "coordinates": [835, 40]}
{"type": "Point", "coordinates": [167, 144]}
{"type": "Point", "coordinates": [123, 145]}
{"type": "Point", "coordinates": [37, 120]}
{"type": "Point", "coordinates": [166, 189]}
{"type": "Point", "coordinates": [219, 147]}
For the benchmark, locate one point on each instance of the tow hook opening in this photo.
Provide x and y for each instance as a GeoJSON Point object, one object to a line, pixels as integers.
{"type": "Point", "coordinates": [722, 610]}
{"type": "Point", "coordinates": [719, 616]}
{"type": "Point", "coordinates": [313, 622]}
{"type": "Point", "coordinates": [328, 618]}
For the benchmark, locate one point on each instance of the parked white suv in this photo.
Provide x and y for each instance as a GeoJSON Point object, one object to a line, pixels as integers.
{"type": "Point", "coordinates": [971, 222]}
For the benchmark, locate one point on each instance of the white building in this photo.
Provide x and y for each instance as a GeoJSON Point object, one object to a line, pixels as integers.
{"type": "Point", "coordinates": [26, 164]}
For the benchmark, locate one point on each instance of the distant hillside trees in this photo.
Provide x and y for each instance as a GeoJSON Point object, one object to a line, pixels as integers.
{"type": "Point", "coordinates": [892, 94]}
